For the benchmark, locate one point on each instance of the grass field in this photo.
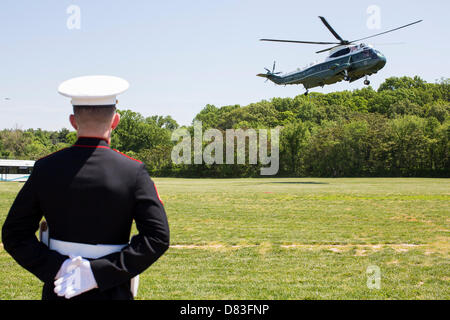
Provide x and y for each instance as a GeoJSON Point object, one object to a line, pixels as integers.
{"type": "Point", "coordinates": [289, 239]}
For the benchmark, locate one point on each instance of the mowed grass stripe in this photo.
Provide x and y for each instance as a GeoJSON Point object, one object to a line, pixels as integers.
{"type": "Point", "coordinates": [298, 210]}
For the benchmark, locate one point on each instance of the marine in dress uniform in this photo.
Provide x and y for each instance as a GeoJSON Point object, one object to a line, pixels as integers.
{"type": "Point", "coordinates": [89, 194]}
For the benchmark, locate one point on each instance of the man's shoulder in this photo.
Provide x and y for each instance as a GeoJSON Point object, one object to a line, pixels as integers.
{"type": "Point", "coordinates": [127, 158]}
{"type": "Point", "coordinates": [124, 162]}
{"type": "Point", "coordinates": [52, 156]}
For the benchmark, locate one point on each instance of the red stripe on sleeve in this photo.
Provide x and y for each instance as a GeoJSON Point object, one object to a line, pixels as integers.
{"type": "Point", "coordinates": [158, 195]}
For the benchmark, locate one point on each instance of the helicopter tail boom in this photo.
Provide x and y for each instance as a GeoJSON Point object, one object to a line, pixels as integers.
{"type": "Point", "coordinates": [270, 76]}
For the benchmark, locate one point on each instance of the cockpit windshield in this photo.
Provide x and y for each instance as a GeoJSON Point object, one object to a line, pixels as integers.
{"type": "Point", "coordinates": [340, 53]}
{"type": "Point", "coordinates": [378, 53]}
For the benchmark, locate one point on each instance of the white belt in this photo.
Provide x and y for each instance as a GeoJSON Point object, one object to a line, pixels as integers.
{"type": "Point", "coordinates": [89, 251]}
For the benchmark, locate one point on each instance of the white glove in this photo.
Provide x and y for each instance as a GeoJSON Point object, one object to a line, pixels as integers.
{"type": "Point", "coordinates": [78, 280]}
{"type": "Point", "coordinates": [66, 267]}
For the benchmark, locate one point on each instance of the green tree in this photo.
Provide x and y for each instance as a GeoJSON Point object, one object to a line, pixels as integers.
{"type": "Point", "coordinates": [395, 83]}
{"type": "Point", "coordinates": [293, 141]}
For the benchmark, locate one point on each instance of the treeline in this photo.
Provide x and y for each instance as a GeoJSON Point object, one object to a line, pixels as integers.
{"type": "Point", "coordinates": [402, 129]}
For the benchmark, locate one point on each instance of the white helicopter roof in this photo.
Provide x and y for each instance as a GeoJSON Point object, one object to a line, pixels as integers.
{"type": "Point", "coordinates": [353, 49]}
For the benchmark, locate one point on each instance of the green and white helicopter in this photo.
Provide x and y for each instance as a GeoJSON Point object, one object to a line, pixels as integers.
{"type": "Point", "coordinates": [347, 61]}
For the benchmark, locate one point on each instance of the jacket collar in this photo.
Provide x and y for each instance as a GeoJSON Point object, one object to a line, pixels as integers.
{"type": "Point", "coordinates": [91, 142]}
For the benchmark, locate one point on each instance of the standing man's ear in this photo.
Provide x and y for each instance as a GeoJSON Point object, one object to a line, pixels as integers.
{"type": "Point", "coordinates": [73, 122]}
{"type": "Point", "coordinates": [115, 122]}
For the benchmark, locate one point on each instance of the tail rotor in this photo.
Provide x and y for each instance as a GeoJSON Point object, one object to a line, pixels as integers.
{"type": "Point", "coordinates": [269, 73]}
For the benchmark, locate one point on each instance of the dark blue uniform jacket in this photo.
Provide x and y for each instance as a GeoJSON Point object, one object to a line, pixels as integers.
{"type": "Point", "coordinates": [88, 193]}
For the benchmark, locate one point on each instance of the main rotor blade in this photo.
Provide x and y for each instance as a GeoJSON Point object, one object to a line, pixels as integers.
{"type": "Point", "coordinates": [295, 41]}
{"type": "Point", "coordinates": [378, 34]}
{"type": "Point", "coordinates": [325, 22]}
{"type": "Point", "coordinates": [320, 51]}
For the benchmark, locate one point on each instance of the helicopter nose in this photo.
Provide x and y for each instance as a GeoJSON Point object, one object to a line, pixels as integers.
{"type": "Point", "coordinates": [381, 62]}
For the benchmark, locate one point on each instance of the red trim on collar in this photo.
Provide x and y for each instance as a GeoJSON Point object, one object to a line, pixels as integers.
{"type": "Point", "coordinates": [84, 146]}
{"type": "Point", "coordinates": [127, 156]}
{"type": "Point", "coordinates": [99, 138]}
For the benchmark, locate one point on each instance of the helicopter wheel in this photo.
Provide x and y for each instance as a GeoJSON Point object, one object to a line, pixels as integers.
{"type": "Point", "coordinates": [306, 93]}
{"type": "Point", "coordinates": [366, 82]}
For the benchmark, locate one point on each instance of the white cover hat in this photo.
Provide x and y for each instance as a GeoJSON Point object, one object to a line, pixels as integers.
{"type": "Point", "coordinates": [93, 90]}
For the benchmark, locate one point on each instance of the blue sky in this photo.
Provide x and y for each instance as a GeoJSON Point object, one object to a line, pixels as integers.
{"type": "Point", "coordinates": [181, 55]}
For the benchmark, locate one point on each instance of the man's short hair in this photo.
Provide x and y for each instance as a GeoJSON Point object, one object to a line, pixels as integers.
{"type": "Point", "coordinates": [98, 114]}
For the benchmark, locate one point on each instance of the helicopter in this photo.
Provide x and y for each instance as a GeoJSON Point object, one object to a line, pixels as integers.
{"type": "Point", "coordinates": [347, 60]}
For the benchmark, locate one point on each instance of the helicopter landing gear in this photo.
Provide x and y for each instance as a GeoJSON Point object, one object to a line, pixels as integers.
{"type": "Point", "coordinates": [346, 77]}
{"type": "Point", "coordinates": [306, 93]}
{"type": "Point", "coordinates": [366, 81]}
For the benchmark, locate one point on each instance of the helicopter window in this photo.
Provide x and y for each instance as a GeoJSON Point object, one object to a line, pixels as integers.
{"type": "Point", "coordinates": [378, 53]}
{"type": "Point", "coordinates": [373, 54]}
{"type": "Point", "coordinates": [340, 53]}
{"type": "Point", "coordinates": [366, 54]}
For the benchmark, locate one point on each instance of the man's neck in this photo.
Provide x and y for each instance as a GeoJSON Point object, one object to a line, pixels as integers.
{"type": "Point", "coordinates": [105, 136]}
